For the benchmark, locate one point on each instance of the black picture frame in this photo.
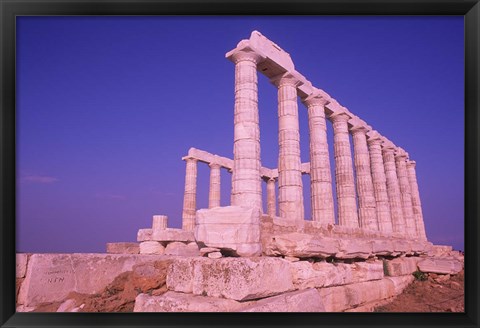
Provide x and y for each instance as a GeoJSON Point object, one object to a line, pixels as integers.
{"type": "Point", "coordinates": [9, 9]}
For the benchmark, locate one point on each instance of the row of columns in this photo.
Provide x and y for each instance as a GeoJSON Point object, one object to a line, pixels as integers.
{"type": "Point", "coordinates": [384, 183]}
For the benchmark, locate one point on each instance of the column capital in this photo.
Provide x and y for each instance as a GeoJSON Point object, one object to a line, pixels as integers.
{"type": "Point", "coordinates": [244, 52]}
{"type": "Point", "coordinates": [214, 165]}
{"type": "Point", "coordinates": [317, 98]}
{"type": "Point", "coordinates": [411, 164]}
{"type": "Point", "coordinates": [400, 154]}
{"type": "Point", "coordinates": [286, 79]}
{"type": "Point", "coordinates": [189, 159]}
{"type": "Point", "coordinates": [340, 116]}
{"type": "Point", "coordinates": [358, 126]}
{"type": "Point", "coordinates": [374, 138]}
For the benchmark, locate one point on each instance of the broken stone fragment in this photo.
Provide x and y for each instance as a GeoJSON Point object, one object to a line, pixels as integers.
{"type": "Point", "coordinates": [181, 249]}
{"type": "Point", "coordinates": [151, 247]}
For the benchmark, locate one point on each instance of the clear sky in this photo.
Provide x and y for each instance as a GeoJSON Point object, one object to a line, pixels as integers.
{"type": "Point", "coordinates": [107, 106]}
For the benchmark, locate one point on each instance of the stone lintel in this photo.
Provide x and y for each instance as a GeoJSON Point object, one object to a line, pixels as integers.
{"type": "Point", "coordinates": [294, 78]}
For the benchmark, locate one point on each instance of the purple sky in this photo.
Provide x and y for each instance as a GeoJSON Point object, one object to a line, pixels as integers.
{"type": "Point", "coordinates": [107, 106]}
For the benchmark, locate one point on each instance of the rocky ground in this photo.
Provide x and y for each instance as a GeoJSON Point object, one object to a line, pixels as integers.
{"type": "Point", "coordinates": [430, 293]}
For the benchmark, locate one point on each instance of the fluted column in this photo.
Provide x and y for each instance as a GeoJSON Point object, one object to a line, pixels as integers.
{"type": "Point", "coordinates": [320, 173]}
{"type": "Point", "coordinates": [380, 185]}
{"type": "Point", "coordinates": [214, 192]}
{"type": "Point", "coordinates": [393, 190]}
{"type": "Point", "coordinates": [190, 195]}
{"type": "Point", "coordinates": [271, 198]}
{"type": "Point", "coordinates": [290, 186]}
{"type": "Point", "coordinates": [366, 198]}
{"type": "Point", "coordinates": [416, 204]}
{"type": "Point", "coordinates": [405, 194]}
{"type": "Point", "coordinates": [246, 180]}
{"type": "Point", "coordinates": [345, 185]}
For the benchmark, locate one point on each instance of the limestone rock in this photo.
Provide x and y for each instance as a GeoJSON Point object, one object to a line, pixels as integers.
{"type": "Point", "coordinates": [171, 234]}
{"type": "Point", "coordinates": [401, 282]}
{"type": "Point", "coordinates": [367, 271]}
{"type": "Point", "coordinates": [215, 255]}
{"type": "Point", "coordinates": [180, 249]}
{"type": "Point", "coordinates": [300, 245]}
{"type": "Point", "coordinates": [51, 277]}
{"type": "Point", "coordinates": [233, 278]}
{"type": "Point", "coordinates": [151, 247]}
{"type": "Point", "coordinates": [144, 234]}
{"type": "Point", "coordinates": [440, 265]}
{"type": "Point", "coordinates": [67, 306]}
{"type": "Point", "coordinates": [123, 248]}
{"type": "Point", "coordinates": [231, 228]}
{"type": "Point", "coordinates": [401, 266]}
{"type": "Point", "coordinates": [354, 248]}
{"type": "Point", "coordinates": [341, 298]}
{"type": "Point", "coordinates": [298, 301]}
{"type": "Point", "coordinates": [21, 265]}
{"type": "Point", "coordinates": [180, 302]}
{"type": "Point", "coordinates": [205, 250]}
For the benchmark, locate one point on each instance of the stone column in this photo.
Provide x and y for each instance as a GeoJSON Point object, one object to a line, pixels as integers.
{"type": "Point", "coordinates": [346, 198]}
{"type": "Point", "coordinates": [320, 173]}
{"type": "Point", "coordinates": [405, 194]}
{"type": "Point", "coordinates": [190, 196]}
{"type": "Point", "coordinates": [271, 198]}
{"type": "Point", "coordinates": [379, 184]}
{"type": "Point", "coordinates": [416, 204]}
{"type": "Point", "coordinates": [393, 189]}
{"type": "Point", "coordinates": [366, 198]}
{"type": "Point", "coordinates": [214, 193]}
{"type": "Point", "coordinates": [290, 186]}
{"type": "Point", "coordinates": [246, 180]}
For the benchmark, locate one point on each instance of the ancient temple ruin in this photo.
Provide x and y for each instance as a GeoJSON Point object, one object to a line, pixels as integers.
{"type": "Point", "coordinates": [384, 183]}
{"type": "Point", "coordinates": [246, 258]}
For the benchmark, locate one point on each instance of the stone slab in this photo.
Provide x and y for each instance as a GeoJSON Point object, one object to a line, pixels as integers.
{"type": "Point", "coordinates": [401, 282]}
{"type": "Point", "coordinates": [123, 248]}
{"type": "Point", "coordinates": [21, 260]}
{"type": "Point", "coordinates": [401, 266]}
{"type": "Point", "coordinates": [307, 300]}
{"type": "Point", "coordinates": [180, 302]}
{"type": "Point", "coordinates": [144, 234]}
{"type": "Point", "coordinates": [151, 247]}
{"type": "Point", "coordinates": [342, 298]}
{"type": "Point", "coordinates": [171, 234]}
{"type": "Point", "coordinates": [440, 265]}
{"type": "Point", "coordinates": [51, 277]}
{"type": "Point", "coordinates": [300, 245]}
{"type": "Point", "coordinates": [239, 279]}
{"type": "Point", "coordinates": [177, 248]}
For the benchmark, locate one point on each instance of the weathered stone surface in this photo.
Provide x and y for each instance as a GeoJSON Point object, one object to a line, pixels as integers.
{"type": "Point", "coordinates": [354, 248]}
{"type": "Point", "coordinates": [215, 255]}
{"type": "Point", "coordinates": [159, 222]}
{"type": "Point", "coordinates": [322, 274]}
{"type": "Point", "coordinates": [440, 265]}
{"type": "Point", "coordinates": [298, 301]}
{"type": "Point", "coordinates": [123, 248]}
{"type": "Point", "coordinates": [439, 250]}
{"type": "Point", "coordinates": [205, 250]}
{"type": "Point", "coordinates": [180, 302]}
{"type": "Point", "coordinates": [401, 282]}
{"type": "Point", "coordinates": [21, 264]}
{"type": "Point", "coordinates": [232, 228]}
{"type": "Point", "coordinates": [366, 271]}
{"type": "Point", "coordinates": [144, 234]}
{"type": "Point", "coordinates": [171, 234]}
{"type": "Point", "coordinates": [51, 277]}
{"type": "Point", "coordinates": [181, 249]}
{"type": "Point", "coordinates": [67, 306]}
{"type": "Point", "coordinates": [300, 245]}
{"type": "Point", "coordinates": [151, 247]}
{"type": "Point", "coordinates": [341, 298]}
{"type": "Point", "coordinates": [383, 246]}
{"type": "Point", "coordinates": [233, 278]}
{"type": "Point", "coordinates": [401, 266]}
